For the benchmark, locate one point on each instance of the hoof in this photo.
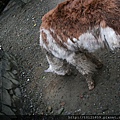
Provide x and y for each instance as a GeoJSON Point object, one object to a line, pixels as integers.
{"type": "Point", "coordinates": [91, 86]}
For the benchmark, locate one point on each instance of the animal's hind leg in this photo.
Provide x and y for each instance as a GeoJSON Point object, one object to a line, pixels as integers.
{"type": "Point", "coordinates": [57, 65]}
{"type": "Point", "coordinates": [89, 81]}
{"type": "Point", "coordinates": [94, 60]}
{"type": "Point", "coordinates": [84, 66]}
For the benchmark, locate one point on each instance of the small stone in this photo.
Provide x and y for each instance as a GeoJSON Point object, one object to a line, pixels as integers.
{"type": "Point", "coordinates": [49, 109]}
{"type": "Point", "coordinates": [7, 110]}
{"type": "Point", "coordinates": [14, 81]}
{"type": "Point", "coordinates": [12, 75]}
{"type": "Point", "coordinates": [23, 73]}
{"type": "Point", "coordinates": [14, 63]}
{"type": "Point", "coordinates": [83, 113]}
{"type": "Point", "coordinates": [28, 80]}
{"type": "Point", "coordinates": [7, 56]}
{"type": "Point", "coordinates": [43, 77]}
{"type": "Point", "coordinates": [7, 84]}
{"type": "Point", "coordinates": [7, 65]}
{"type": "Point", "coordinates": [14, 72]}
{"type": "Point", "coordinates": [8, 75]}
{"type": "Point", "coordinates": [16, 101]}
{"type": "Point", "coordinates": [35, 25]}
{"type": "Point", "coordinates": [1, 114]}
{"type": "Point", "coordinates": [79, 110]}
{"type": "Point", "coordinates": [81, 96]}
{"type": "Point", "coordinates": [15, 98]}
{"type": "Point", "coordinates": [12, 57]}
{"type": "Point", "coordinates": [6, 98]}
{"type": "Point", "coordinates": [1, 84]}
{"type": "Point", "coordinates": [21, 111]}
{"type": "Point", "coordinates": [17, 92]}
{"type": "Point", "coordinates": [104, 110]}
{"type": "Point", "coordinates": [11, 92]}
{"type": "Point", "coordinates": [14, 110]}
{"type": "Point", "coordinates": [25, 1]}
{"type": "Point", "coordinates": [60, 111]}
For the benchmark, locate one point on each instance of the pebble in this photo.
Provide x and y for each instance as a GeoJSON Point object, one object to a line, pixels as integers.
{"type": "Point", "coordinates": [7, 56]}
{"type": "Point", "coordinates": [7, 65]}
{"type": "Point", "coordinates": [6, 98]}
{"type": "Point", "coordinates": [14, 72]}
{"type": "Point", "coordinates": [17, 92]}
{"type": "Point", "coordinates": [49, 109]}
{"type": "Point", "coordinates": [60, 111]}
{"type": "Point", "coordinates": [7, 84]}
{"type": "Point", "coordinates": [14, 63]}
{"type": "Point", "coordinates": [7, 75]}
{"type": "Point", "coordinates": [83, 113]}
{"type": "Point", "coordinates": [28, 80]}
{"type": "Point", "coordinates": [7, 110]}
{"type": "Point", "coordinates": [78, 110]}
{"type": "Point", "coordinates": [11, 92]}
{"type": "Point", "coordinates": [12, 75]}
{"type": "Point", "coordinates": [14, 110]}
{"type": "Point", "coordinates": [15, 98]}
{"type": "Point", "coordinates": [14, 81]}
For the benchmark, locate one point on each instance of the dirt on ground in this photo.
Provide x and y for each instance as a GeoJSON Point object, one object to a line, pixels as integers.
{"type": "Point", "coordinates": [47, 93]}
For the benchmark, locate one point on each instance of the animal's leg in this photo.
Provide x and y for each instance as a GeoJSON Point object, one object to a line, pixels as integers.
{"type": "Point", "coordinates": [84, 66]}
{"type": "Point", "coordinates": [90, 81]}
{"type": "Point", "coordinates": [57, 65]}
{"type": "Point", "coordinates": [94, 60]}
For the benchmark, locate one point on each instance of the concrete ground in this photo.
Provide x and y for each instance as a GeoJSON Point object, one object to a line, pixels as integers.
{"type": "Point", "coordinates": [46, 93]}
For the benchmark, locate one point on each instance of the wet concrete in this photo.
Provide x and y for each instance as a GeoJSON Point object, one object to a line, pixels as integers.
{"type": "Point", "coordinates": [46, 93]}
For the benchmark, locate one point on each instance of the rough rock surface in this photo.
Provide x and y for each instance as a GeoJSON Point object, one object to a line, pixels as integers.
{"type": "Point", "coordinates": [10, 94]}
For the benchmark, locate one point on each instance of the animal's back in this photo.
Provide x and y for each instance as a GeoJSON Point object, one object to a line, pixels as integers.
{"type": "Point", "coordinates": [82, 24]}
{"type": "Point", "coordinates": [75, 29]}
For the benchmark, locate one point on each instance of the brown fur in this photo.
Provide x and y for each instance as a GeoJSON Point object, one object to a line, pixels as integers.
{"type": "Point", "coordinates": [45, 38]}
{"type": "Point", "coordinates": [71, 19]}
{"type": "Point", "coordinates": [74, 17]}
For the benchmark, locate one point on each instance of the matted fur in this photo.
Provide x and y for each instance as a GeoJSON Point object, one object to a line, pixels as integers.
{"type": "Point", "coordinates": [75, 29]}
{"type": "Point", "coordinates": [74, 17]}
